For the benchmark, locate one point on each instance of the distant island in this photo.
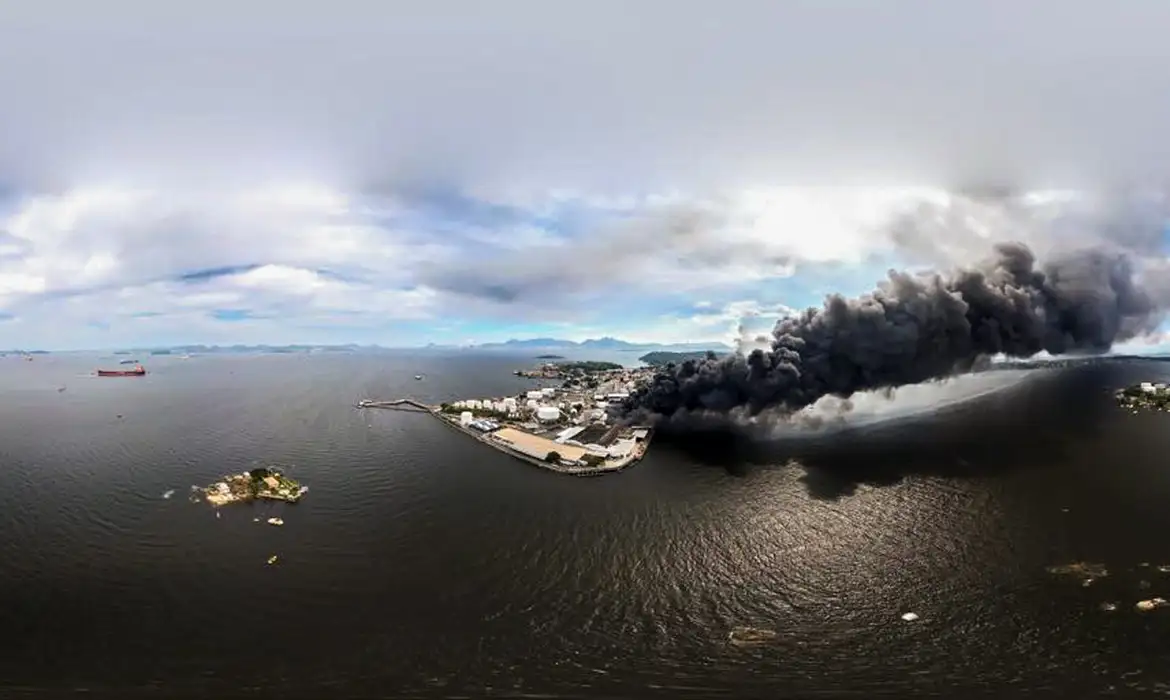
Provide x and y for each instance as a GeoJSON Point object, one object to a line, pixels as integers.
{"type": "Point", "coordinates": [1147, 396]}
{"type": "Point", "coordinates": [661, 358]}
{"type": "Point", "coordinates": [550, 357]}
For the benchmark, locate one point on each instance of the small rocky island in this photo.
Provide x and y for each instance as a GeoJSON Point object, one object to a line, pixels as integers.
{"type": "Point", "coordinates": [262, 483]}
{"type": "Point", "coordinates": [1145, 396]}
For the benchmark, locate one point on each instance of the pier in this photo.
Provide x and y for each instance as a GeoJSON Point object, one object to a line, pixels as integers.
{"type": "Point", "coordinates": [397, 405]}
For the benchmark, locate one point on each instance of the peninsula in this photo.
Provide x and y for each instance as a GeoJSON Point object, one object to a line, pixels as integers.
{"type": "Point", "coordinates": [568, 370]}
{"type": "Point", "coordinates": [661, 358]}
{"type": "Point", "coordinates": [263, 483]}
{"type": "Point", "coordinates": [566, 429]}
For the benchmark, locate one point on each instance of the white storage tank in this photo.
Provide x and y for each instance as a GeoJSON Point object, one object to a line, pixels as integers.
{"type": "Point", "coordinates": [465, 418]}
{"type": "Point", "coordinates": [548, 413]}
{"type": "Point", "coordinates": [548, 391]}
{"type": "Point", "coordinates": [531, 404]}
{"type": "Point", "coordinates": [534, 394]}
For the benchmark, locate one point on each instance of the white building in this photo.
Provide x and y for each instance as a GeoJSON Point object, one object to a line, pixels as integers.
{"type": "Point", "coordinates": [465, 418]}
{"type": "Point", "coordinates": [533, 395]}
{"type": "Point", "coordinates": [548, 413]}
{"type": "Point", "coordinates": [1147, 387]}
{"type": "Point", "coordinates": [620, 448]}
{"type": "Point", "coordinates": [548, 391]}
{"type": "Point", "coordinates": [531, 404]}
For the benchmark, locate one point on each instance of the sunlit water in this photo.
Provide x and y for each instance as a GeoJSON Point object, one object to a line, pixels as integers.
{"type": "Point", "coordinates": [423, 564]}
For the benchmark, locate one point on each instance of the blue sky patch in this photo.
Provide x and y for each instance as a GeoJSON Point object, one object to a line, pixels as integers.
{"type": "Point", "coordinates": [232, 315]}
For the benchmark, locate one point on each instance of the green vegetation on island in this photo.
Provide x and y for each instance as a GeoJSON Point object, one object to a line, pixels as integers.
{"type": "Point", "coordinates": [262, 483]}
{"type": "Point", "coordinates": [550, 357]}
{"type": "Point", "coordinates": [587, 367]}
{"type": "Point", "coordinates": [1144, 396]}
{"type": "Point", "coordinates": [661, 358]}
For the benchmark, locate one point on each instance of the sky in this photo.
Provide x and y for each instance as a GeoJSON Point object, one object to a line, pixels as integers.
{"type": "Point", "coordinates": [456, 172]}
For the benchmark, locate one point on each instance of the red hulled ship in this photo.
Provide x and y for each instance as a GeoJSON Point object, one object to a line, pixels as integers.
{"type": "Point", "coordinates": [138, 371]}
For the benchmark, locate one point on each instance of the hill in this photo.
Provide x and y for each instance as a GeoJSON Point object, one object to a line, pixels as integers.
{"type": "Point", "coordinates": [606, 344]}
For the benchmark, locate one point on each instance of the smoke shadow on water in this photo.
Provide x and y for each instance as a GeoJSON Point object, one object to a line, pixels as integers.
{"type": "Point", "coordinates": [1022, 425]}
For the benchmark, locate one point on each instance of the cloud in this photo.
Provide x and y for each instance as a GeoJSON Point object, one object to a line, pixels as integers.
{"type": "Point", "coordinates": [599, 97]}
{"type": "Point", "coordinates": [339, 171]}
{"type": "Point", "coordinates": [310, 259]}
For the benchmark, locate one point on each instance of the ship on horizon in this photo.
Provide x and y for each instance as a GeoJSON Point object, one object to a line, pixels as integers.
{"type": "Point", "coordinates": [138, 371]}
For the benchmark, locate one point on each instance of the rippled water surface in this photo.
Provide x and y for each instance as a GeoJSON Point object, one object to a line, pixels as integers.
{"type": "Point", "coordinates": [423, 564]}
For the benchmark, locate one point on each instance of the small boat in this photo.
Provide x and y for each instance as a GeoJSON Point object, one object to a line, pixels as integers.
{"type": "Point", "coordinates": [418, 376]}
{"type": "Point", "coordinates": [138, 371]}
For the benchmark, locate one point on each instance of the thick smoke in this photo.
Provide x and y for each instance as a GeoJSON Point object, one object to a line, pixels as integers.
{"type": "Point", "coordinates": [915, 328]}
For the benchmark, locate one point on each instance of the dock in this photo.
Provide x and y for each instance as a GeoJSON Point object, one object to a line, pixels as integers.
{"type": "Point", "coordinates": [397, 405]}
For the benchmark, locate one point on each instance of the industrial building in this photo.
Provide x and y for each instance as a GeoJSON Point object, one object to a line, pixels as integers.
{"type": "Point", "coordinates": [548, 414]}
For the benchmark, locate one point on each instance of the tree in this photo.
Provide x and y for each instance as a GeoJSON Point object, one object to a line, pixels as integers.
{"type": "Point", "coordinates": [552, 457]}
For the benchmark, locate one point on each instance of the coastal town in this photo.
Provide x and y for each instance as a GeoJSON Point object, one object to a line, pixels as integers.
{"type": "Point", "coordinates": [568, 429]}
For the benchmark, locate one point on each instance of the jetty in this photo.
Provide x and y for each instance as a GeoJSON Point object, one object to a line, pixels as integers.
{"type": "Point", "coordinates": [397, 405]}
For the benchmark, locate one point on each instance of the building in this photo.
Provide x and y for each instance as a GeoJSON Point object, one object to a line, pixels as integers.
{"type": "Point", "coordinates": [547, 414]}
{"type": "Point", "coordinates": [533, 395]}
{"type": "Point", "coordinates": [484, 426]}
{"type": "Point", "coordinates": [568, 434]}
{"type": "Point", "coordinates": [1147, 387]}
{"type": "Point", "coordinates": [465, 418]}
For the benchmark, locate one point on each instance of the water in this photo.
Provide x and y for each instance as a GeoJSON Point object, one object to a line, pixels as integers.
{"type": "Point", "coordinates": [422, 564]}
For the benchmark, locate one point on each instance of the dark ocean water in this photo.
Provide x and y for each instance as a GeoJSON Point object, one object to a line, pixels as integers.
{"type": "Point", "coordinates": [422, 564]}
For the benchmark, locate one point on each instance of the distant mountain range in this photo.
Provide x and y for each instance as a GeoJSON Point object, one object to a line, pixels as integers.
{"type": "Point", "coordinates": [607, 344]}
{"type": "Point", "coordinates": [529, 345]}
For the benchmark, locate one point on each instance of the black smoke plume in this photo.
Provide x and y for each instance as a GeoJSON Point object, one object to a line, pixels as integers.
{"type": "Point", "coordinates": [915, 328]}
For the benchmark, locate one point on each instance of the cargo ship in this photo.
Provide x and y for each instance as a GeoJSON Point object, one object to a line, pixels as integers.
{"type": "Point", "coordinates": [138, 371]}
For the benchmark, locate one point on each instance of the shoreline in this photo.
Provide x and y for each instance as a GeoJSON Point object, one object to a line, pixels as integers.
{"type": "Point", "coordinates": [485, 438]}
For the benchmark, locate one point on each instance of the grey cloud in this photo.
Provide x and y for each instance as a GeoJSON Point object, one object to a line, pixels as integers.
{"type": "Point", "coordinates": [565, 270]}
{"type": "Point", "coordinates": [603, 95]}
